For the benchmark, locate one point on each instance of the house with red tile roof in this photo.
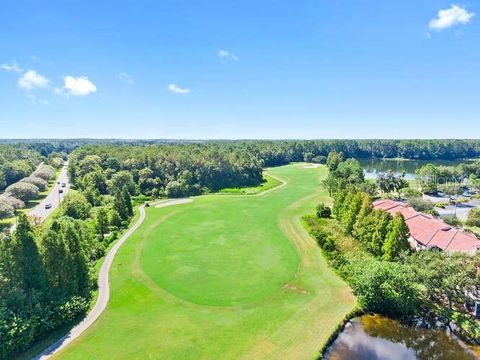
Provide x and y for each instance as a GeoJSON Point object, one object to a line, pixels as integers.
{"type": "Point", "coordinates": [428, 232]}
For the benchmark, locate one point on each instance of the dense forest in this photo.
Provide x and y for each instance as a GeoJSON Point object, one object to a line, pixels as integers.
{"type": "Point", "coordinates": [275, 152]}
{"type": "Point", "coordinates": [278, 152]}
{"type": "Point", "coordinates": [47, 272]}
{"type": "Point", "coordinates": [161, 170]}
{"type": "Point", "coordinates": [16, 163]}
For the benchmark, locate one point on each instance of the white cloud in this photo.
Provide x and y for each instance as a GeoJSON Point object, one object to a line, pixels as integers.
{"type": "Point", "coordinates": [177, 89]}
{"type": "Point", "coordinates": [449, 17]}
{"type": "Point", "coordinates": [31, 79]}
{"type": "Point", "coordinates": [78, 86]}
{"type": "Point", "coordinates": [224, 54]}
{"type": "Point", "coordinates": [126, 77]}
{"type": "Point", "coordinates": [13, 67]}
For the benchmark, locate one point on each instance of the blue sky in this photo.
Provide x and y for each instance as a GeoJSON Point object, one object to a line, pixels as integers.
{"type": "Point", "coordinates": [240, 69]}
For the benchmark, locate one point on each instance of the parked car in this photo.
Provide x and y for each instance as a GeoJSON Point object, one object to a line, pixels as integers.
{"type": "Point", "coordinates": [48, 206]}
{"type": "Point", "coordinates": [63, 184]}
{"type": "Point", "coordinates": [58, 182]}
{"type": "Point", "coordinates": [60, 191]}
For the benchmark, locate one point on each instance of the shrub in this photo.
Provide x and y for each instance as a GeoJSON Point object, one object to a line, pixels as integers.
{"type": "Point", "coordinates": [410, 192]}
{"type": "Point", "coordinates": [76, 206]}
{"type": "Point", "coordinates": [453, 221]}
{"type": "Point", "coordinates": [6, 210]}
{"type": "Point", "coordinates": [40, 183]}
{"type": "Point", "coordinates": [46, 172]}
{"type": "Point", "coordinates": [384, 287]}
{"type": "Point", "coordinates": [319, 160]}
{"type": "Point", "coordinates": [176, 189]}
{"type": "Point", "coordinates": [432, 212]}
{"type": "Point", "coordinates": [14, 202]}
{"type": "Point", "coordinates": [441, 204]}
{"type": "Point", "coordinates": [420, 204]}
{"type": "Point", "coordinates": [57, 162]}
{"type": "Point", "coordinates": [23, 191]}
{"type": "Point", "coordinates": [308, 156]}
{"type": "Point", "coordinates": [323, 211]}
{"type": "Point", "coordinates": [474, 217]}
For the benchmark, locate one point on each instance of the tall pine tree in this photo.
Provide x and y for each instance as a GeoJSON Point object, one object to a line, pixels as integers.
{"type": "Point", "coordinates": [26, 265]}
{"type": "Point", "coordinates": [396, 240]}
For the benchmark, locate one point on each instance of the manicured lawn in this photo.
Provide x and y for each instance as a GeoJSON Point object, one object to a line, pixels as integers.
{"type": "Point", "coordinates": [269, 183]}
{"type": "Point", "coordinates": [222, 277]}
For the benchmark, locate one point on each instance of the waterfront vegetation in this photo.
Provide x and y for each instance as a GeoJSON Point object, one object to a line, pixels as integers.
{"type": "Point", "coordinates": [369, 249]}
{"type": "Point", "coordinates": [370, 334]}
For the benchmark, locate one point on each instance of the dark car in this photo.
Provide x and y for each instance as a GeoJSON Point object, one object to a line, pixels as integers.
{"type": "Point", "coordinates": [63, 184]}
{"type": "Point", "coordinates": [48, 206]}
{"type": "Point", "coordinates": [60, 191]}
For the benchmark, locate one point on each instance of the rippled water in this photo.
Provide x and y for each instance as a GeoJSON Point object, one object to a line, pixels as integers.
{"type": "Point", "coordinates": [374, 337]}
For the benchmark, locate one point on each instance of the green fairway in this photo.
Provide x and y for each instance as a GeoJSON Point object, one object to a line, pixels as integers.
{"type": "Point", "coordinates": [268, 184]}
{"type": "Point", "coordinates": [222, 277]}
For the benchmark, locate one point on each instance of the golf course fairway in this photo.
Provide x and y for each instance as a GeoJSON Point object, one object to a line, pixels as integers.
{"type": "Point", "coordinates": [222, 277]}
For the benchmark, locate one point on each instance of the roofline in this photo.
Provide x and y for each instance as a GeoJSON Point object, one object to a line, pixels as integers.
{"type": "Point", "coordinates": [431, 237]}
{"type": "Point", "coordinates": [456, 232]}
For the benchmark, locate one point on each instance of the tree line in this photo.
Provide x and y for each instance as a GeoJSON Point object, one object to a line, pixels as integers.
{"type": "Point", "coordinates": [47, 272]}
{"type": "Point", "coordinates": [163, 170]}
{"type": "Point", "coordinates": [449, 179]}
{"type": "Point", "coordinates": [380, 233]}
{"type": "Point", "coordinates": [275, 152]}
{"type": "Point", "coordinates": [16, 163]}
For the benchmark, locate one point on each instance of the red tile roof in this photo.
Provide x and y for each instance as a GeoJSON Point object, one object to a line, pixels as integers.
{"type": "Point", "coordinates": [429, 231]}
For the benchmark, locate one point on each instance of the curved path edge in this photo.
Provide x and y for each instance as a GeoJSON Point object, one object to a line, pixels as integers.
{"type": "Point", "coordinates": [103, 288]}
{"type": "Point", "coordinates": [103, 295]}
{"type": "Point", "coordinates": [283, 183]}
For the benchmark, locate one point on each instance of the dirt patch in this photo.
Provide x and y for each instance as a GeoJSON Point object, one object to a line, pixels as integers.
{"type": "Point", "coordinates": [312, 166]}
{"type": "Point", "coordinates": [295, 288]}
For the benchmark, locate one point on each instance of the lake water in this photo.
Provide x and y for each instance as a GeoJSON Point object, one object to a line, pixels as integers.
{"type": "Point", "coordinates": [372, 167]}
{"type": "Point", "coordinates": [374, 337]}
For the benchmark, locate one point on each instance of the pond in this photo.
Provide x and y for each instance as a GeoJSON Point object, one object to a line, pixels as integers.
{"type": "Point", "coordinates": [375, 337]}
{"type": "Point", "coordinates": [372, 167]}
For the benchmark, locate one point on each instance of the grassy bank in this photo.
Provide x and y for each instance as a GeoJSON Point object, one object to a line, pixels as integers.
{"type": "Point", "coordinates": [268, 184]}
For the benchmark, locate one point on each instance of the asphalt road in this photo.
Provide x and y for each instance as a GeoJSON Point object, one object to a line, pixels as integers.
{"type": "Point", "coordinates": [54, 197]}
{"type": "Point", "coordinates": [460, 212]}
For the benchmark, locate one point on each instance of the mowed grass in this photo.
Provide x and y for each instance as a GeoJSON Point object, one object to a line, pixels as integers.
{"type": "Point", "coordinates": [269, 183]}
{"type": "Point", "coordinates": [223, 277]}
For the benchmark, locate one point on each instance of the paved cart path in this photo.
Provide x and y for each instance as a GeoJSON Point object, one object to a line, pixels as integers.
{"type": "Point", "coordinates": [103, 288]}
